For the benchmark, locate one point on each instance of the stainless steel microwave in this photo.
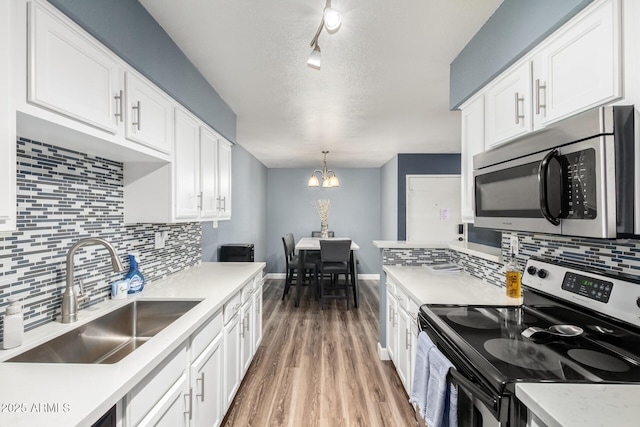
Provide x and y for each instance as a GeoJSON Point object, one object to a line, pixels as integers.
{"type": "Point", "coordinates": [577, 178]}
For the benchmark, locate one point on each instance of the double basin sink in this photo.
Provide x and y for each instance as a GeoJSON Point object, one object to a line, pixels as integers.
{"type": "Point", "coordinates": [111, 337]}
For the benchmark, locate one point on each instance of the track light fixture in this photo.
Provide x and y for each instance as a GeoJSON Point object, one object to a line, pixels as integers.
{"type": "Point", "coordinates": [331, 20]}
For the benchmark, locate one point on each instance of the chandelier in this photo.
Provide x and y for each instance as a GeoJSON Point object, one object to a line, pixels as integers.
{"type": "Point", "coordinates": [329, 178]}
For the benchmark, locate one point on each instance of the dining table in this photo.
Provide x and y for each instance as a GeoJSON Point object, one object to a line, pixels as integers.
{"type": "Point", "coordinates": [310, 244]}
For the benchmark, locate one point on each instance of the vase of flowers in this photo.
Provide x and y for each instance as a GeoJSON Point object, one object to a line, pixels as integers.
{"type": "Point", "coordinates": [322, 207]}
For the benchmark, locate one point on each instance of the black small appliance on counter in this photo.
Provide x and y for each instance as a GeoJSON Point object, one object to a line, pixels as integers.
{"type": "Point", "coordinates": [236, 252]}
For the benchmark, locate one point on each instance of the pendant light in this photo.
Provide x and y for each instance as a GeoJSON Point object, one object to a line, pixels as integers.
{"type": "Point", "coordinates": [328, 177]}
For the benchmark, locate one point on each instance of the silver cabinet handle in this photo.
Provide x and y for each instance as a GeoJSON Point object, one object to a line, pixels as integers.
{"type": "Point", "coordinates": [390, 314]}
{"type": "Point", "coordinates": [138, 110]}
{"type": "Point", "coordinates": [200, 203]}
{"type": "Point", "coordinates": [218, 203]}
{"type": "Point", "coordinates": [540, 105]}
{"type": "Point", "coordinates": [201, 395]}
{"type": "Point", "coordinates": [395, 318]}
{"type": "Point", "coordinates": [190, 403]}
{"type": "Point", "coordinates": [407, 338]}
{"type": "Point", "coordinates": [118, 113]}
{"type": "Point", "coordinates": [518, 115]}
{"type": "Point", "coordinates": [224, 204]}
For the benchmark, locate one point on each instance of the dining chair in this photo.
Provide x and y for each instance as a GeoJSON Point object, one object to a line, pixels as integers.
{"type": "Point", "coordinates": [319, 234]}
{"type": "Point", "coordinates": [291, 263]}
{"type": "Point", "coordinates": [334, 261]}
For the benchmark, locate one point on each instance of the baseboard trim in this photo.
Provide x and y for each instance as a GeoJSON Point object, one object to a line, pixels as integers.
{"type": "Point", "coordinates": [383, 354]}
{"type": "Point", "coordinates": [360, 276]}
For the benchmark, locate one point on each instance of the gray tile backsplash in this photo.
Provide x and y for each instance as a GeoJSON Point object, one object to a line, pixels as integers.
{"type": "Point", "coordinates": [64, 196]}
{"type": "Point", "coordinates": [614, 256]}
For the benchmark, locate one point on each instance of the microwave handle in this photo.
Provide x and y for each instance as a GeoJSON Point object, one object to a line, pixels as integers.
{"type": "Point", "coordinates": [542, 180]}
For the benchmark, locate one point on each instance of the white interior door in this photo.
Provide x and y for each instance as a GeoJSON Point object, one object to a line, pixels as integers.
{"type": "Point", "coordinates": [433, 207]}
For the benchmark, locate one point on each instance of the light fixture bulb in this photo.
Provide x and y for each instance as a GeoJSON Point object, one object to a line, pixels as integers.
{"type": "Point", "coordinates": [313, 181]}
{"type": "Point", "coordinates": [315, 58]}
{"type": "Point", "coordinates": [332, 19]}
{"type": "Point", "coordinates": [326, 183]}
{"type": "Point", "coordinates": [333, 181]}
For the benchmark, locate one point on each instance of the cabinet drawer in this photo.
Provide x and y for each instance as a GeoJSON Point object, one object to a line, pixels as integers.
{"type": "Point", "coordinates": [247, 292]}
{"type": "Point", "coordinates": [391, 287]}
{"type": "Point", "coordinates": [205, 335]}
{"type": "Point", "coordinates": [403, 299]}
{"type": "Point", "coordinates": [149, 391]}
{"type": "Point", "coordinates": [232, 307]}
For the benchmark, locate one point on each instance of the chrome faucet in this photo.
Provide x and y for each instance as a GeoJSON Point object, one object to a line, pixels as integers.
{"type": "Point", "coordinates": [70, 298]}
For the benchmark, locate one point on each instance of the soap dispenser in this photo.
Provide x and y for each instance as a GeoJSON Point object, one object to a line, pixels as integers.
{"type": "Point", "coordinates": [136, 279]}
{"type": "Point", "coordinates": [13, 324]}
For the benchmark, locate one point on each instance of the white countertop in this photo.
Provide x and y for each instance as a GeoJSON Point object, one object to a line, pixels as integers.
{"type": "Point", "coordinates": [83, 393]}
{"type": "Point", "coordinates": [426, 287]}
{"type": "Point", "coordinates": [582, 405]}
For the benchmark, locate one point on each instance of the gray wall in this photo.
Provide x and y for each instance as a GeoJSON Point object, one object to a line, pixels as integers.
{"type": "Point", "coordinates": [389, 200]}
{"type": "Point", "coordinates": [354, 212]}
{"type": "Point", "coordinates": [249, 209]}
{"type": "Point", "coordinates": [514, 28]}
{"type": "Point", "coordinates": [420, 164]}
{"type": "Point", "coordinates": [128, 29]}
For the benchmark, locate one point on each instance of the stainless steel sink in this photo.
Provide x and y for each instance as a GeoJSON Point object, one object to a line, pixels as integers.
{"type": "Point", "coordinates": [109, 338]}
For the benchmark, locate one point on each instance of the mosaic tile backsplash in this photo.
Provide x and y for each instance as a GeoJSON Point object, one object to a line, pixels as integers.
{"type": "Point", "coordinates": [613, 256]}
{"type": "Point", "coordinates": [64, 196]}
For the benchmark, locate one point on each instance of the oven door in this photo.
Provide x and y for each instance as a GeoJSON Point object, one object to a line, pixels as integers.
{"type": "Point", "coordinates": [479, 404]}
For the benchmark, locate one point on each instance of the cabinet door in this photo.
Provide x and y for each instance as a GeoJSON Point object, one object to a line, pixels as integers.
{"type": "Point", "coordinates": [206, 380]}
{"type": "Point", "coordinates": [403, 354]}
{"type": "Point", "coordinates": [70, 74]}
{"type": "Point", "coordinates": [231, 359]}
{"type": "Point", "coordinates": [508, 106]}
{"type": "Point", "coordinates": [472, 144]}
{"type": "Point", "coordinates": [246, 350]}
{"type": "Point", "coordinates": [7, 127]}
{"type": "Point", "coordinates": [208, 178]}
{"type": "Point", "coordinates": [257, 317]}
{"type": "Point", "coordinates": [224, 179]}
{"type": "Point", "coordinates": [392, 319]}
{"type": "Point", "coordinates": [149, 114]}
{"type": "Point", "coordinates": [413, 342]}
{"type": "Point", "coordinates": [173, 408]}
{"type": "Point", "coordinates": [187, 166]}
{"type": "Point", "coordinates": [580, 68]}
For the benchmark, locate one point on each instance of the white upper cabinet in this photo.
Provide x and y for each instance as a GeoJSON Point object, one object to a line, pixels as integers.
{"type": "Point", "coordinates": [208, 174]}
{"type": "Point", "coordinates": [149, 114]}
{"type": "Point", "coordinates": [7, 127]}
{"type": "Point", "coordinates": [472, 144]}
{"type": "Point", "coordinates": [508, 106]}
{"type": "Point", "coordinates": [580, 66]}
{"type": "Point", "coordinates": [187, 167]}
{"type": "Point", "coordinates": [224, 180]}
{"type": "Point", "coordinates": [69, 73]}
{"type": "Point", "coordinates": [575, 69]}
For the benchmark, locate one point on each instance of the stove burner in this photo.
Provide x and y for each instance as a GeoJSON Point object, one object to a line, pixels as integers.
{"type": "Point", "coordinates": [472, 317]}
{"type": "Point", "coordinates": [598, 360]}
{"type": "Point", "coordinates": [524, 354]}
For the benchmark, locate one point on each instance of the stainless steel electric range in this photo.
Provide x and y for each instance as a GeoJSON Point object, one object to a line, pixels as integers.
{"type": "Point", "coordinates": [495, 347]}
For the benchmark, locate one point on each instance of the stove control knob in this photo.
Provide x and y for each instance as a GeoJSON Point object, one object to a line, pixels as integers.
{"type": "Point", "coordinates": [531, 270]}
{"type": "Point", "coordinates": [542, 273]}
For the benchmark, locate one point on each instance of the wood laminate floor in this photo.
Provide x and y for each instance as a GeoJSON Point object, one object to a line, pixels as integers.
{"type": "Point", "coordinates": [319, 367]}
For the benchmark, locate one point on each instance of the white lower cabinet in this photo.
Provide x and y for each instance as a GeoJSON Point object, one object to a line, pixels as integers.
{"type": "Point", "coordinates": [402, 332]}
{"type": "Point", "coordinates": [206, 377]}
{"type": "Point", "coordinates": [231, 349]}
{"type": "Point", "coordinates": [195, 385]}
{"type": "Point", "coordinates": [163, 394]}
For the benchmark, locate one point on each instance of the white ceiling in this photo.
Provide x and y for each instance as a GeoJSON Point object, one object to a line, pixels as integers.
{"type": "Point", "coordinates": [383, 87]}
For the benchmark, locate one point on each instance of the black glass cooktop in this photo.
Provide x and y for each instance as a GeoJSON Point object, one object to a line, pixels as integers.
{"type": "Point", "coordinates": [490, 339]}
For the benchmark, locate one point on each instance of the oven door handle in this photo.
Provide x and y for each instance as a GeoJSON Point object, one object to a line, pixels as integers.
{"type": "Point", "coordinates": [490, 401]}
{"type": "Point", "coordinates": [542, 180]}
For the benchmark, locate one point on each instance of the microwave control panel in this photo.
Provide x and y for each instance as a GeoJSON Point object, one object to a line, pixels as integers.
{"type": "Point", "coordinates": [580, 185]}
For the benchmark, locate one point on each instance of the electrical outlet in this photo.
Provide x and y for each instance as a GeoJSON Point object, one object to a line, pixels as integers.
{"type": "Point", "coordinates": [159, 240]}
{"type": "Point", "coordinates": [514, 246]}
